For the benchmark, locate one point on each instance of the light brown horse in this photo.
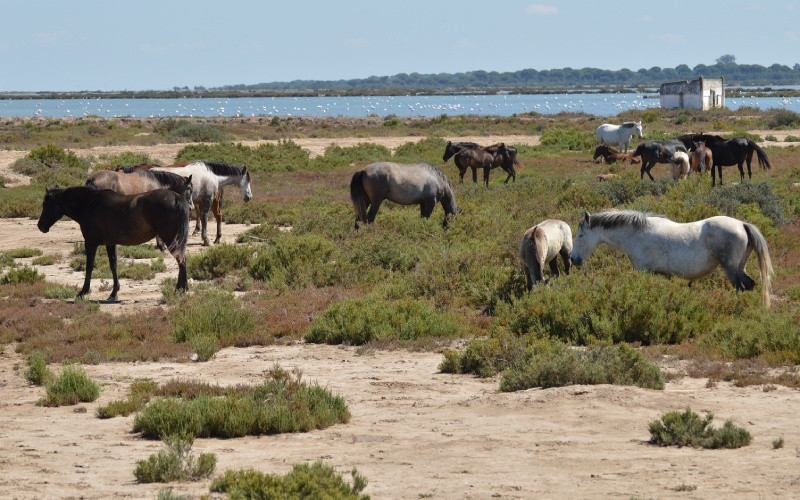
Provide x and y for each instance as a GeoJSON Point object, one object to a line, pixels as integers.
{"type": "Point", "coordinates": [701, 158]}
{"type": "Point", "coordinates": [140, 181]}
{"type": "Point", "coordinates": [540, 245]}
{"type": "Point", "coordinates": [611, 155]}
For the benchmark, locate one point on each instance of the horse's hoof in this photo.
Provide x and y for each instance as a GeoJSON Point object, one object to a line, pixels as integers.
{"type": "Point", "coordinates": [206, 243]}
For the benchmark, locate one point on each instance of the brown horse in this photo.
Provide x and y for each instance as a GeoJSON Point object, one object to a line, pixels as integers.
{"type": "Point", "coordinates": [109, 218]}
{"type": "Point", "coordinates": [701, 158]}
{"type": "Point", "coordinates": [611, 155]}
{"type": "Point", "coordinates": [139, 180]}
{"type": "Point", "coordinates": [487, 158]}
{"type": "Point", "coordinates": [540, 245]}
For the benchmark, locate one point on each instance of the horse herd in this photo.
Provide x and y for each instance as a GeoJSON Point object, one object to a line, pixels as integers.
{"type": "Point", "coordinates": [132, 205]}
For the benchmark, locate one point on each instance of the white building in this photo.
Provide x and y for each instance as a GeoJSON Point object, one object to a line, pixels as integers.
{"type": "Point", "coordinates": [703, 93]}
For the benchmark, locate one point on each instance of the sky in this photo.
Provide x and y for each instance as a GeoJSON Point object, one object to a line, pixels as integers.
{"type": "Point", "coordinates": [160, 44]}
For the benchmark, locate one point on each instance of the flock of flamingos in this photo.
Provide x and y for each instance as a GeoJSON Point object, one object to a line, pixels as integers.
{"type": "Point", "coordinates": [132, 205]}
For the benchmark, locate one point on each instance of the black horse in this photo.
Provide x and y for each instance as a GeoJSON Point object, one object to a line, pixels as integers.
{"type": "Point", "coordinates": [653, 152]}
{"type": "Point", "coordinates": [466, 156]}
{"type": "Point", "coordinates": [727, 152]}
{"type": "Point", "coordinates": [109, 218]}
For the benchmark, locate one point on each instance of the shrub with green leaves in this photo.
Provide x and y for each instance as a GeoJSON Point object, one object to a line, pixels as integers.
{"type": "Point", "coordinates": [71, 387]}
{"type": "Point", "coordinates": [139, 394]}
{"type": "Point", "coordinates": [210, 313]}
{"type": "Point", "coordinates": [730, 197]}
{"type": "Point", "coordinates": [358, 321]}
{"type": "Point", "coordinates": [37, 372]}
{"type": "Point", "coordinates": [689, 429]}
{"type": "Point", "coordinates": [317, 480]}
{"type": "Point", "coordinates": [219, 261]}
{"type": "Point", "coordinates": [175, 463]}
{"type": "Point", "coordinates": [24, 274]}
{"type": "Point", "coordinates": [282, 403]}
{"type": "Point", "coordinates": [553, 364]}
{"type": "Point", "coordinates": [296, 261]}
{"type": "Point", "coordinates": [23, 252]}
{"type": "Point", "coordinates": [572, 139]}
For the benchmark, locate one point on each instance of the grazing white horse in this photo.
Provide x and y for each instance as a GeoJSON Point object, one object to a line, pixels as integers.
{"type": "Point", "coordinates": [540, 245]}
{"type": "Point", "coordinates": [689, 250]}
{"type": "Point", "coordinates": [679, 166]}
{"type": "Point", "coordinates": [619, 135]}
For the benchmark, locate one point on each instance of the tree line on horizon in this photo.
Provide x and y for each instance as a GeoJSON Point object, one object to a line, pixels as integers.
{"type": "Point", "coordinates": [725, 66]}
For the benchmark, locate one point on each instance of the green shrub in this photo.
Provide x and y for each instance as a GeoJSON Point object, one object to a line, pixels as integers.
{"type": "Point", "coordinates": [45, 260]}
{"type": "Point", "coordinates": [652, 115]}
{"type": "Point", "coordinates": [210, 313]}
{"type": "Point", "coordinates": [196, 132]}
{"type": "Point", "coordinates": [358, 321]}
{"type": "Point", "coordinates": [37, 372]}
{"type": "Point", "coordinates": [730, 197]}
{"type": "Point", "coordinates": [22, 253]}
{"type": "Point", "coordinates": [571, 139]}
{"type": "Point", "coordinates": [108, 162]}
{"type": "Point", "coordinates": [138, 252]}
{"type": "Point", "coordinates": [139, 394]}
{"type": "Point", "coordinates": [21, 201]}
{"type": "Point", "coordinates": [553, 364]}
{"type": "Point", "coordinates": [783, 118]}
{"type": "Point", "coordinates": [317, 480]}
{"type": "Point", "coordinates": [285, 156]}
{"type": "Point", "coordinates": [296, 261]}
{"type": "Point", "coordinates": [219, 261]}
{"type": "Point", "coordinates": [24, 274]}
{"type": "Point", "coordinates": [175, 463]}
{"type": "Point", "coordinates": [59, 292]}
{"type": "Point", "coordinates": [336, 156]}
{"type": "Point", "coordinates": [689, 429]}
{"type": "Point", "coordinates": [281, 404]}
{"type": "Point", "coordinates": [71, 387]}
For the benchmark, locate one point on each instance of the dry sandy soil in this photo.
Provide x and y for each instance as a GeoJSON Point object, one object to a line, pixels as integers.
{"type": "Point", "coordinates": [414, 432]}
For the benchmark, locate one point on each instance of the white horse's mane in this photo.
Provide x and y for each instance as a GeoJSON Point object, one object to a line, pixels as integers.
{"type": "Point", "coordinates": [611, 219]}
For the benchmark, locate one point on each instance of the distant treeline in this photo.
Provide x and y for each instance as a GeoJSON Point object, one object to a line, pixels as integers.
{"type": "Point", "coordinates": [734, 74]}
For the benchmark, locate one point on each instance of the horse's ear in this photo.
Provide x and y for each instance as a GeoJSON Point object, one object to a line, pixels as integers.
{"type": "Point", "coordinates": [188, 179]}
{"type": "Point", "coordinates": [586, 216]}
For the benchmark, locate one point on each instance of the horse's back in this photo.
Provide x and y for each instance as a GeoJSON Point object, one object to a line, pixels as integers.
{"type": "Point", "coordinates": [406, 184]}
{"type": "Point", "coordinates": [550, 237]}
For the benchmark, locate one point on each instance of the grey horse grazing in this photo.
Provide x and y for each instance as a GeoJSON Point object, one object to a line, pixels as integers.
{"type": "Point", "coordinates": [406, 184]}
{"type": "Point", "coordinates": [689, 250]}
{"type": "Point", "coordinates": [541, 245]}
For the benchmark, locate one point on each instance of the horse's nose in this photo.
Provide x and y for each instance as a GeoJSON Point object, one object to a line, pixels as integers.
{"type": "Point", "coordinates": [577, 261]}
{"type": "Point", "coordinates": [248, 197]}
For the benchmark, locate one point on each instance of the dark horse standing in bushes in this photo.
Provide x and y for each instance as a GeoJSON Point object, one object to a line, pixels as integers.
{"type": "Point", "coordinates": [109, 218]}
{"type": "Point", "coordinates": [415, 184]}
{"type": "Point", "coordinates": [727, 152]}
{"type": "Point", "coordinates": [653, 152]}
{"type": "Point", "coordinates": [471, 155]}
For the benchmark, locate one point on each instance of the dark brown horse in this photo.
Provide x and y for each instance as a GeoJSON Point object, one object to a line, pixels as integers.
{"type": "Point", "coordinates": [727, 152]}
{"type": "Point", "coordinates": [701, 157]}
{"type": "Point", "coordinates": [463, 161]}
{"type": "Point", "coordinates": [109, 218]}
{"type": "Point", "coordinates": [487, 158]}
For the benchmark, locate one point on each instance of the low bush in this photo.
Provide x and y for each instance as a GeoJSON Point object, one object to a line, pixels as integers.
{"type": "Point", "coordinates": [282, 403]}
{"type": "Point", "coordinates": [71, 387]}
{"type": "Point", "coordinates": [46, 260]}
{"type": "Point", "coordinates": [219, 261]}
{"type": "Point", "coordinates": [37, 372]}
{"type": "Point", "coordinates": [317, 480]}
{"type": "Point", "coordinates": [689, 429]}
{"type": "Point", "coordinates": [175, 463]}
{"type": "Point", "coordinates": [210, 314]}
{"type": "Point", "coordinates": [22, 253]}
{"type": "Point", "coordinates": [196, 132]}
{"type": "Point", "coordinates": [296, 261]}
{"type": "Point", "coordinates": [553, 364]}
{"type": "Point", "coordinates": [358, 321]}
{"type": "Point", "coordinates": [24, 274]}
{"type": "Point", "coordinates": [139, 394]}
{"type": "Point", "coordinates": [571, 139]}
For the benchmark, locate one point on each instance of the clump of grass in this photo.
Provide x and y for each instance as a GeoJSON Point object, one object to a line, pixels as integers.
{"type": "Point", "coordinates": [22, 253]}
{"type": "Point", "coordinates": [296, 261]}
{"type": "Point", "coordinates": [24, 274]}
{"type": "Point", "coordinates": [553, 364]}
{"type": "Point", "coordinates": [139, 394]}
{"type": "Point", "coordinates": [138, 252]}
{"type": "Point", "coordinates": [71, 387]}
{"type": "Point", "coordinates": [777, 443]}
{"type": "Point", "coordinates": [358, 321]}
{"type": "Point", "coordinates": [37, 372]}
{"type": "Point", "coordinates": [175, 463]}
{"type": "Point", "coordinates": [211, 314]}
{"type": "Point", "coordinates": [689, 429]}
{"type": "Point", "coordinates": [218, 261]}
{"type": "Point", "coordinates": [317, 480]}
{"type": "Point", "coordinates": [46, 260]}
{"type": "Point", "coordinates": [282, 403]}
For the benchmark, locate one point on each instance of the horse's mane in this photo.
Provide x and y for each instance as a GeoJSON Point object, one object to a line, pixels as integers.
{"type": "Point", "coordinates": [628, 125]}
{"type": "Point", "coordinates": [221, 168]}
{"type": "Point", "coordinates": [617, 218]}
{"type": "Point", "coordinates": [162, 177]}
{"type": "Point", "coordinates": [441, 175]}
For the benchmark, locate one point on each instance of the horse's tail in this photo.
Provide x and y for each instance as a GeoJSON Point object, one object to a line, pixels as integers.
{"type": "Point", "coordinates": [763, 159]}
{"type": "Point", "coordinates": [178, 243]}
{"type": "Point", "coordinates": [527, 254]}
{"type": "Point", "coordinates": [756, 240]}
{"type": "Point", "coordinates": [359, 197]}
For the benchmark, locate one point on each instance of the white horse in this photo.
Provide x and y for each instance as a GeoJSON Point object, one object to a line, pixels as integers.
{"type": "Point", "coordinates": [689, 250]}
{"type": "Point", "coordinates": [679, 166]}
{"type": "Point", "coordinates": [208, 179]}
{"type": "Point", "coordinates": [540, 245]}
{"type": "Point", "coordinates": [618, 134]}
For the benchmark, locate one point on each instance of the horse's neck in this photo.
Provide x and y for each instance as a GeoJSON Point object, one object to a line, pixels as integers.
{"type": "Point", "coordinates": [448, 200]}
{"type": "Point", "coordinates": [74, 202]}
{"type": "Point", "coordinates": [226, 180]}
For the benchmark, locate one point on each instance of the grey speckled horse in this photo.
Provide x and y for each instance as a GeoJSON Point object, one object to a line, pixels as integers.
{"type": "Point", "coordinates": [689, 250]}
{"type": "Point", "coordinates": [406, 184]}
{"type": "Point", "coordinates": [541, 245]}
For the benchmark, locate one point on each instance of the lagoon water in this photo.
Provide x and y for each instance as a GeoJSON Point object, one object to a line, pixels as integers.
{"type": "Point", "coordinates": [357, 106]}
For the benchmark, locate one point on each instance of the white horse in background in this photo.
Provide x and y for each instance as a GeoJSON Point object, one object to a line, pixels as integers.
{"type": "Point", "coordinates": [619, 135]}
{"type": "Point", "coordinates": [689, 250]}
{"type": "Point", "coordinates": [679, 166]}
{"type": "Point", "coordinates": [542, 244]}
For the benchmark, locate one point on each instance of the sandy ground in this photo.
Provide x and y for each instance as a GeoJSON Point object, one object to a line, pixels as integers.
{"type": "Point", "coordinates": [414, 432]}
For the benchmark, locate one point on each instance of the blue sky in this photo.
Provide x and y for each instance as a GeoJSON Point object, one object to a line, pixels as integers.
{"type": "Point", "coordinates": [147, 44]}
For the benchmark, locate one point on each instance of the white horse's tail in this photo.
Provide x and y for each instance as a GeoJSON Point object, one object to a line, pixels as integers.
{"type": "Point", "coordinates": [759, 244]}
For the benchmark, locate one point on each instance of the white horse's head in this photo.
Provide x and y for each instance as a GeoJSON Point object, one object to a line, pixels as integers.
{"type": "Point", "coordinates": [244, 185]}
{"type": "Point", "coordinates": [637, 127]}
{"type": "Point", "coordinates": [585, 241]}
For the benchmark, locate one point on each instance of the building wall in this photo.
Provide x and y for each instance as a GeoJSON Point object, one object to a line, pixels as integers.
{"type": "Point", "coordinates": [703, 93]}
